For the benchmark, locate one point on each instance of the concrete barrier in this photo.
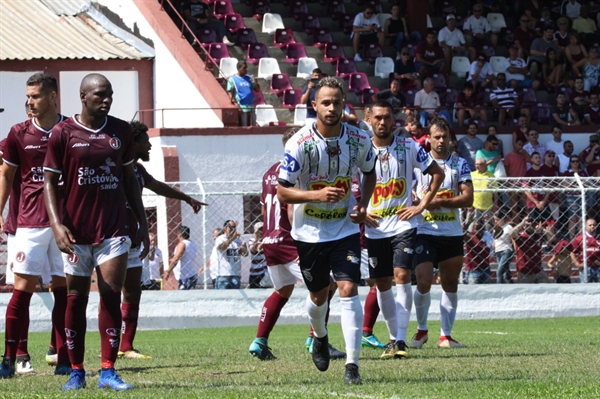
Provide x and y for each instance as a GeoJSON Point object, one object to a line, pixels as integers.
{"type": "Point", "coordinates": [229, 308]}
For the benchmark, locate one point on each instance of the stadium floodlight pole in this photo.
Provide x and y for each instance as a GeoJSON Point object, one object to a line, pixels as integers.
{"type": "Point", "coordinates": [203, 194]}
{"type": "Point", "coordinates": [583, 230]}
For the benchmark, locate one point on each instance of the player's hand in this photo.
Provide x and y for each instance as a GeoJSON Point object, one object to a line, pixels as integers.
{"type": "Point", "coordinates": [145, 239]}
{"type": "Point", "coordinates": [1, 225]}
{"type": "Point", "coordinates": [196, 205]}
{"type": "Point", "coordinates": [331, 194]}
{"type": "Point", "coordinates": [358, 214]}
{"type": "Point", "coordinates": [409, 213]}
{"type": "Point", "coordinates": [64, 239]}
{"type": "Point", "coordinates": [371, 220]}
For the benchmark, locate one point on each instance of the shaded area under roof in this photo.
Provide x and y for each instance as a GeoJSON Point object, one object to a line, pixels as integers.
{"type": "Point", "coordinates": [54, 29]}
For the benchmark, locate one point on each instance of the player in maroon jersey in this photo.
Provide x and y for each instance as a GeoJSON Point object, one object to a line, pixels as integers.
{"type": "Point", "coordinates": [35, 250]}
{"type": "Point", "coordinates": [132, 289]}
{"type": "Point", "coordinates": [94, 153]}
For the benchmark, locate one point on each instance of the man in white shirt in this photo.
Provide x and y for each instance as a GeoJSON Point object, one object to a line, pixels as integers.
{"type": "Point", "coordinates": [478, 31]}
{"type": "Point", "coordinates": [481, 73]}
{"type": "Point", "coordinates": [184, 264]}
{"type": "Point", "coordinates": [503, 247]}
{"type": "Point", "coordinates": [366, 29]}
{"type": "Point", "coordinates": [516, 69]}
{"type": "Point", "coordinates": [452, 40]}
{"type": "Point", "coordinates": [427, 103]}
{"type": "Point", "coordinates": [227, 262]}
{"type": "Point", "coordinates": [556, 144]}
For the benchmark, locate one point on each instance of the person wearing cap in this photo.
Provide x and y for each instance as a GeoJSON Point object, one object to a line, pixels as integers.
{"type": "Point", "coordinates": [523, 36]}
{"type": "Point", "coordinates": [481, 73]}
{"type": "Point", "coordinates": [539, 48]}
{"type": "Point", "coordinates": [406, 72]}
{"type": "Point", "coordinates": [590, 156]}
{"type": "Point", "coordinates": [452, 39]}
{"type": "Point", "coordinates": [478, 31]}
{"type": "Point", "coordinates": [227, 262]}
{"type": "Point", "coordinates": [562, 114]}
{"type": "Point", "coordinates": [395, 28]}
{"type": "Point", "coordinates": [516, 69]}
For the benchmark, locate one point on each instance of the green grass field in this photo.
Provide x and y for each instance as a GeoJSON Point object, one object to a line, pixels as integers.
{"type": "Point", "coordinates": [533, 358]}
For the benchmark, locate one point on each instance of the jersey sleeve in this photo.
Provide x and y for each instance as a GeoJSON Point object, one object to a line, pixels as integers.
{"type": "Point", "coordinates": [10, 153]}
{"type": "Point", "coordinates": [148, 178]}
{"type": "Point", "coordinates": [291, 165]}
{"type": "Point", "coordinates": [465, 172]}
{"type": "Point", "coordinates": [56, 150]}
{"type": "Point", "coordinates": [366, 157]}
{"type": "Point", "coordinates": [421, 158]}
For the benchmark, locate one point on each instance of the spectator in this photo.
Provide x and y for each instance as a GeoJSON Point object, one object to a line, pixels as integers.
{"type": "Point", "coordinates": [427, 104]}
{"type": "Point", "coordinates": [539, 49]}
{"type": "Point", "coordinates": [467, 146]}
{"type": "Point", "coordinates": [184, 264]}
{"type": "Point", "coordinates": [308, 95]}
{"type": "Point", "coordinates": [469, 105]}
{"type": "Point", "coordinates": [506, 101]}
{"type": "Point", "coordinates": [405, 70]}
{"type": "Point", "coordinates": [515, 162]}
{"type": "Point", "coordinates": [198, 15]}
{"type": "Point", "coordinates": [413, 129]}
{"type": "Point", "coordinates": [452, 40]}
{"type": "Point", "coordinates": [483, 201]}
{"type": "Point", "coordinates": [561, 36]}
{"type": "Point", "coordinates": [546, 21]}
{"type": "Point", "coordinates": [537, 201]}
{"type": "Point", "coordinates": [522, 129]}
{"type": "Point", "coordinates": [591, 155]}
{"type": "Point", "coordinates": [489, 153]}
{"type": "Point", "coordinates": [240, 88]}
{"type": "Point", "coordinates": [573, 198]}
{"type": "Point", "coordinates": [562, 113]}
{"type": "Point", "coordinates": [430, 56]}
{"type": "Point", "coordinates": [564, 158]}
{"type": "Point", "coordinates": [560, 262]}
{"type": "Point", "coordinates": [366, 29]}
{"type": "Point", "coordinates": [503, 247]}
{"type": "Point", "coordinates": [258, 262]}
{"type": "Point", "coordinates": [591, 114]}
{"type": "Point", "coordinates": [516, 69]}
{"type": "Point", "coordinates": [553, 71]}
{"type": "Point", "coordinates": [523, 37]}
{"type": "Point", "coordinates": [570, 8]}
{"type": "Point", "coordinates": [153, 267]}
{"type": "Point", "coordinates": [477, 255]}
{"type": "Point", "coordinates": [477, 31]}
{"type": "Point", "coordinates": [534, 12]}
{"type": "Point", "coordinates": [481, 73]}
{"type": "Point", "coordinates": [575, 51]}
{"type": "Point", "coordinates": [394, 96]}
{"type": "Point", "coordinates": [586, 27]}
{"type": "Point", "coordinates": [556, 144]}
{"type": "Point", "coordinates": [533, 145]}
{"type": "Point", "coordinates": [396, 29]}
{"type": "Point", "coordinates": [227, 264]}
{"type": "Point", "coordinates": [528, 245]}
{"type": "Point", "coordinates": [579, 98]}
{"type": "Point", "coordinates": [592, 252]}
{"type": "Point", "coordinates": [549, 169]}
{"type": "Point", "coordinates": [589, 69]}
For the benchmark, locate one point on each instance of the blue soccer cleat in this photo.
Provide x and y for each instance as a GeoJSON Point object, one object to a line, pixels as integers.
{"type": "Point", "coordinates": [7, 368]}
{"type": "Point", "coordinates": [372, 342]}
{"type": "Point", "coordinates": [260, 349]}
{"type": "Point", "coordinates": [109, 378]}
{"type": "Point", "coordinates": [76, 381]}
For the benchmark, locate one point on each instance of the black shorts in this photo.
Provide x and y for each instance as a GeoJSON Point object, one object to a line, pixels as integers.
{"type": "Point", "coordinates": [436, 249]}
{"type": "Point", "coordinates": [387, 253]}
{"type": "Point", "coordinates": [341, 257]}
{"type": "Point", "coordinates": [369, 38]}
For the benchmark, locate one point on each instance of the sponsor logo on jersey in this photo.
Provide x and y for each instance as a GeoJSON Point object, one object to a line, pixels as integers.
{"type": "Point", "coordinates": [465, 169]}
{"type": "Point", "coordinates": [325, 214]}
{"type": "Point", "coordinates": [33, 147]}
{"type": "Point", "coordinates": [271, 180]}
{"type": "Point", "coordinates": [352, 258]}
{"type": "Point", "coordinates": [333, 151]}
{"type": "Point", "coordinates": [289, 163]}
{"type": "Point", "coordinates": [318, 177]}
{"type": "Point", "coordinates": [343, 182]}
{"type": "Point", "coordinates": [80, 145]}
{"type": "Point", "coordinates": [94, 136]}
{"type": "Point", "coordinates": [432, 217]}
{"type": "Point", "coordinates": [387, 212]}
{"type": "Point", "coordinates": [373, 262]}
{"type": "Point", "coordinates": [394, 188]}
{"type": "Point", "coordinates": [114, 143]}
{"type": "Point", "coordinates": [444, 193]}
{"type": "Point", "coordinates": [20, 257]}
{"type": "Point", "coordinates": [421, 155]}
{"type": "Point", "coordinates": [304, 138]}
{"type": "Point", "coordinates": [73, 259]}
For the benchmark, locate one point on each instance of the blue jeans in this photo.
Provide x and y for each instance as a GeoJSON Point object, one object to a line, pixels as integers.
{"type": "Point", "coordinates": [593, 275]}
{"type": "Point", "coordinates": [227, 282]}
{"type": "Point", "coordinates": [479, 276]}
{"type": "Point", "coordinates": [188, 283]}
{"type": "Point", "coordinates": [503, 273]}
{"type": "Point", "coordinates": [414, 37]}
{"type": "Point", "coordinates": [424, 117]}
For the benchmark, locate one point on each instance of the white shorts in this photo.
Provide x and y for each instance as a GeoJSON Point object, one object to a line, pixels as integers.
{"type": "Point", "coordinates": [364, 264]}
{"type": "Point", "coordinates": [10, 256]}
{"type": "Point", "coordinates": [86, 257]}
{"type": "Point", "coordinates": [282, 275]}
{"type": "Point", "coordinates": [133, 260]}
{"type": "Point", "coordinates": [36, 253]}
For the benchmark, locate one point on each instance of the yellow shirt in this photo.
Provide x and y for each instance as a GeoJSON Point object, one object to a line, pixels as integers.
{"type": "Point", "coordinates": [481, 181]}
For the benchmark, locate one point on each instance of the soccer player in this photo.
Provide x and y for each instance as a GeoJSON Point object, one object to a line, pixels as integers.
{"type": "Point", "coordinates": [132, 289]}
{"type": "Point", "coordinates": [321, 159]}
{"type": "Point", "coordinates": [440, 236]}
{"type": "Point", "coordinates": [35, 249]}
{"type": "Point", "coordinates": [94, 154]}
{"type": "Point", "coordinates": [391, 223]}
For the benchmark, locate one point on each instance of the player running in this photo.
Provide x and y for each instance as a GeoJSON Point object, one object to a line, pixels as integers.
{"type": "Point", "coordinates": [440, 236]}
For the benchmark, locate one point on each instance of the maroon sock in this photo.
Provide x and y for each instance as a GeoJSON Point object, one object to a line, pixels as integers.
{"type": "Point", "coordinates": [331, 294]}
{"type": "Point", "coordinates": [58, 337]}
{"type": "Point", "coordinates": [75, 328]}
{"type": "Point", "coordinates": [371, 310]}
{"type": "Point", "coordinates": [129, 314]}
{"type": "Point", "coordinates": [24, 336]}
{"type": "Point", "coordinates": [17, 314]}
{"type": "Point", "coordinates": [109, 324]}
{"type": "Point", "coordinates": [269, 315]}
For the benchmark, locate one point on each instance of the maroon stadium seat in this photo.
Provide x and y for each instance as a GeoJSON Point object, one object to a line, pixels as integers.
{"type": "Point", "coordinates": [207, 36]}
{"type": "Point", "coordinates": [344, 67]}
{"type": "Point", "coordinates": [294, 52]}
{"type": "Point", "coordinates": [244, 37]}
{"type": "Point", "coordinates": [371, 51]}
{"type": "Point", "coordinates": [255, 52]}
{"type": "Point", "coordinates": [222, 8]}
{"type": "Point", "coordinates": [336, 9]}
{"type": "Point", "coordinates": [357, 82]}
{"type": "Point", "coordinates": [298, 9]}
{"type": "Point", "coordinates": [218, 51]}
{"type": "Point", "coordinates": [321, 36]}
{"type": "Point", "coordinates": [310, 22]}
{"type": "Point", "coordinates": [367, 95]}
{"type": "Point", "coordinates": [283, 37]}
{"type": "Point", "coordinates": [409, 95]}
{"type": "Point", "coordinates": [333, 52]}
{"type": "Point", "coordinates": [291, 97]}
{"type": "Point", "coordinates": [280, 82]}
{"type": "Point", "coordinates": [234, 22]}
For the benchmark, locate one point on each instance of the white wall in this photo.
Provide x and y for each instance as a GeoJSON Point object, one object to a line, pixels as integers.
{"type": "Point", "coordinates": [12, 99]}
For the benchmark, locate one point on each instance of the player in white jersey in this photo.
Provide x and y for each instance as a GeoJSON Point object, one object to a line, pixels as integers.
{"type": "Point", "coordinates": [440, 236]}
{"type": "Point", "coordinates": [320, 160]}
{"type": "Point", "coordinates": [391, 223]}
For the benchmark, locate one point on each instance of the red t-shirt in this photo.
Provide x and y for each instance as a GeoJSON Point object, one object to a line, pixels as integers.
{"type": "Point", "coordinates": [551, 171]}
{"type": "Point", "coordinates": [539, 195]}
{"type": "Point", "coordinates": [574, 94]}
{"type": "Point", "coordinates": [470, 102]}
{"type": "Point", "coordinates": [25, 148]}
{"type": "Point", "coordinates": [524, 37]}
{"type": "Point", "coordinates": [278, 244]}
{"type": "Point", "coordinates": [477, 254]}
{"type": "Point", "coordinates": [423, 141]}
{"type": "Point", "coordinates": [594, 114]}
{"type": "Point", "coordinates": [592, 250]}
{"type": "Point", "coordinates": [592, 168]}
{"type": "Point", "coordinates": [429, 53]}
{"type": "Point", "coordinates": [515, 164]}
{"type": "Point", "coordinates": [10, 223]}
{"type": "Point", "coordinates": [91, 163]}
{"type": "Point", "coordinates": [529, 253]}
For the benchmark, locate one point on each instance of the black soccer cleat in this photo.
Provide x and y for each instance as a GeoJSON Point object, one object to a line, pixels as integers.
{"type": "Point", "coordinates": [351, 375]}
{"type": "Point", "coordinates": [320, 353]}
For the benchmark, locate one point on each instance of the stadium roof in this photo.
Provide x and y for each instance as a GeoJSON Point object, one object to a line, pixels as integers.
{"type": "Point", "coordinates": [63, 29]}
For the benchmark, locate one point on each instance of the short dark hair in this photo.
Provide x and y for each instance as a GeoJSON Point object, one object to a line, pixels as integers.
{"type": "Point", "coordinates": [472, 124]}
{"type": "Point", "coordinates": [138, 129]}
{"type": "Point", "coordinates": [439, 123]}
{"type": "Point", "coordinates": [521, 139]}
{"type": "Point", "coordinates": [535, 153]}
{"type": "Point", "coordinates": [317, 70]}
{"type": "Point", "coordinates": [45, 80]}
{"type": "Point", "coordinates": [240, 63]}
{"type": "Point", "coordinates": [468, 85]}
{"type": "Point", "coordinates": [491, 138]}
{"type": "Point", "coordinates": [185, 232]}
{"type": "Point", "coordinates": [567, 141]}
{"type": "Point", "coordinates": [383, 104]}
{"type": "Point", "coordinates": [330, 82]}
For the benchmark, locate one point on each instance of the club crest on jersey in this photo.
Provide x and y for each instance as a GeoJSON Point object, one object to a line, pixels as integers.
{"type": "Point", "coordinates": [73, 259]}
{"type": "Point", "coordinates": [115, 143]}
{"type": "Point", "coordinates": [20, 257]}
{"type": "Point", "coordinates": [333, 151]}
{"type": "Point", "coordinates": [373, 262]}
{"type": "Point", "coordinates": [419, 249]}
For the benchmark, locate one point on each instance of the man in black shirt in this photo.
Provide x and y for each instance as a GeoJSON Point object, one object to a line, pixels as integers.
{"type": "Point", "coordinates": [395, 98]}
{"type": "Point", "coordinates": [560, 113]}
{"type": "Point", "coordinates": [198, 15]}
{"type": "Point", "coordinates": [405, 71]}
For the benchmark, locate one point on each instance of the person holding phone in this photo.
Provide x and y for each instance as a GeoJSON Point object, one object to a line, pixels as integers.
{"type": "Point", "coordinates": [308, 95]}
{"type": "Point", "coordinates": [228, 251]}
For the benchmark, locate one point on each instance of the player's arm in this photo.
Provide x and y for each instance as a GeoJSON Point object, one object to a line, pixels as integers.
{"type": "Point", "coordinates": [62, 235]}
{"type": "Point", "coordinates": [7, 175]}
{"type": "Point", "coordinates": [165, 190]}
{"type": "Point", "coordinates": [179, 251]}
{"type": "Point", "coordinates": [464, 200]}
{"type": "Point", "coordinates": [286, 192]}
{"type": "Point", "coordinates": [367, 185]}
{"type": "Point", "coordinates": [134, 198]}
{"type": "Point", "coordinates": [437, 178]}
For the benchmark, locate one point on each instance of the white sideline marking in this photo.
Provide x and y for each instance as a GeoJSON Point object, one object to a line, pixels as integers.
{"type": "Point", "coordinates": [489, 332]}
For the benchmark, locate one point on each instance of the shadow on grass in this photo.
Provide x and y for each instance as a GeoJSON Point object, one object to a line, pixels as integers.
{"type": "Point", "coordinates": [437, 379]}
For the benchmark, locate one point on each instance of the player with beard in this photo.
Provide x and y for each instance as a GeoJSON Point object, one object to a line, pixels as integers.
{"type": "Point", "coordinates": [440, 236]}
{"type": "Point", "coordinates": [320, 159]}
{"type": "Point", "coordinates": [35, 250]}
{"type": "Point", "coordinates": [94, 153]}
{"type": "Point", "coordinates": [132, 289]}
{"type": "Point", "coordinates": [391, 223]}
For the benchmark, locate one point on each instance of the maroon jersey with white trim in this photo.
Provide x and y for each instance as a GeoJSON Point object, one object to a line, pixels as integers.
{"type": "Point", "coordinates": [10, 223]}
{"type": "Point", "coordinates": [91, 162]}
{"type": "Point", "coordinates": [143, 178]}
{"type": "Point", "coordinates": [278, 244]}
{"type": "Point", "coordinates": [25, 149]}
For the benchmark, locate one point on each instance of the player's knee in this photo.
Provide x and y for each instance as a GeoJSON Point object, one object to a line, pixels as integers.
{"type": "Point", "coordinates": [347, 289]}
{"type": "Point", "coordinates": [285, 292]}
{"type": "Point", "coordinates": [383, 283]}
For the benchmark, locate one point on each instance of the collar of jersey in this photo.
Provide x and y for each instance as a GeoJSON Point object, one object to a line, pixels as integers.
{"type": "Point", "coordinates": [41, 129]}
{"type": "Point", "coordinates": [316, 131]}
{"type": "Point", "coordinates": [87, 128]}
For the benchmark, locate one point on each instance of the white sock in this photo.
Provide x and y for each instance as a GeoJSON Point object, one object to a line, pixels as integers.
{"type": "Point", "coordinates": [422, 303]}
{"type": "Point", "coordinates": [404, 299]}
{"type": "Point", "coordinates": [448, 305]}
{"type": "Point", "coordinates": [316, 316]}
{"type": "Point", "coordinates": [352, 321]}
{"type": "Point", "coordinates": [388, 310]}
